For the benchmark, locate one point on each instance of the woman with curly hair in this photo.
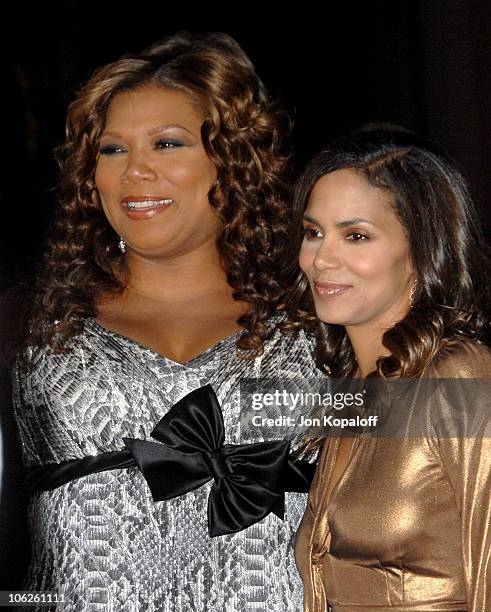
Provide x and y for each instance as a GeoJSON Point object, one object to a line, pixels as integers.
{"type": "Point", "coordinates": [159, 292]}
{"type": "Point", "coordinates": [399, 288]}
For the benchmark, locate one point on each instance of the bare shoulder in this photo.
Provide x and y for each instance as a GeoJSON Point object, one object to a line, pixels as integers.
{"type": "Point", "coordinates": [463, 359]}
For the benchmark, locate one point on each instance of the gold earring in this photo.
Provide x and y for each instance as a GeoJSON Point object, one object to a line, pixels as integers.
{"type": "Point", "coordinates": [412, 293]}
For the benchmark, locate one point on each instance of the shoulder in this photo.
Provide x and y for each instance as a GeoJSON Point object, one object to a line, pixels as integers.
{"type": "Point", "coordinates": [462, 359]}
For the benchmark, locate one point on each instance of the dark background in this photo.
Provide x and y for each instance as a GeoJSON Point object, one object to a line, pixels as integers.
{"type": "Point", "coordinates": [425, 64]}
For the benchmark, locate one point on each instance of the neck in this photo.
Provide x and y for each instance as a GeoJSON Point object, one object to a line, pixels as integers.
{"type": "Point", "coordinates": [366, 338]}
{"type": "Point", "coordinates": [180, 278]}
{"type": "Point", "coordinates": [367, 346]}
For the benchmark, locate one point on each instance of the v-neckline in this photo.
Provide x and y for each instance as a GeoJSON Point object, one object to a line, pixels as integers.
{"type": "Point", "coordinates": [330, 502]}
{"type": "Point", "coordinates": [155, 354]}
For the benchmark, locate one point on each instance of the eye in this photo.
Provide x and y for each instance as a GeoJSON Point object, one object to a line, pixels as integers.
{"type": "Point", "coordinates": [311, 233]}
{"type": "Point", "coordinates": [356, 237]}
{"type": "Point", "coordinates": [111, 149]}
{"type": "Point", "coordinates": [168, 143]}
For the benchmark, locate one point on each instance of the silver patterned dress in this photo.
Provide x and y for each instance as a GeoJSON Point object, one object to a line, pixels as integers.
{"type": "Point", "coordinates": [101, 542]}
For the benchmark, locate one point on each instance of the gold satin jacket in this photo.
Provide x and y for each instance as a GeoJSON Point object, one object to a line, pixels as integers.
{"type": "Point", "coordinates": [407, 525]}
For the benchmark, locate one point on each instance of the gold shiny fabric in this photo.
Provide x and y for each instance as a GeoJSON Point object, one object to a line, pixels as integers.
{"type": "Point", "coordinates": [406, 527]}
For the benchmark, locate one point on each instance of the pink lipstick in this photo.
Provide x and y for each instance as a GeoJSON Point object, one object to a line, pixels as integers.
{"type": "Point", "coordinates": [330, 289]}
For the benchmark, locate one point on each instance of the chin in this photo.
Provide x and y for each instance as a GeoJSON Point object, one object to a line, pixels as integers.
{"type": "Point", "coordinates": [152, 241]}
{"type": "Point", "coordinates": [331, 315]}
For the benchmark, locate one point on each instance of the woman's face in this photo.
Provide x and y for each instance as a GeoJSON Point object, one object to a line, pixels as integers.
{"type": "Point", "coordinates": [153, 175]}
{"type": "Point", "coordinates": [355, 253]}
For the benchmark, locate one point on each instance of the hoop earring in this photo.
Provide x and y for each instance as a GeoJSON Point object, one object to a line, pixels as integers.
{"type": "Point", "coordinates": [122, 245]}
{"type": "Point", "coordinates": [412, 293]}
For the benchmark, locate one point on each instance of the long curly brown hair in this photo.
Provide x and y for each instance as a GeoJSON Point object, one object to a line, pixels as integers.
{"type": "Point", "coordinates": [243, 134]}
{"type": "Point", "coordinates": [448, 250]}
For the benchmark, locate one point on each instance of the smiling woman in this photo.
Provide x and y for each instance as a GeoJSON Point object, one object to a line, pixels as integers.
{"type": "Point", "coordinates": [151, 161]}
{"type": "Point", "coordinates": [159, 292]}
{"type": "Point", "coordinates": [355, 248]}
{"type": "Point", "coordinates": [187, 120]}
{"type": "Point", "coordinates": [395, 281]}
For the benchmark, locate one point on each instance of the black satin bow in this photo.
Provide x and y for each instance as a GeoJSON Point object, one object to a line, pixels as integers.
{"type": "Point", "coordinates": [248, 478]}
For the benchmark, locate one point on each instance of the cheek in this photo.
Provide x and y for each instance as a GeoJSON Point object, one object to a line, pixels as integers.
{"type": "Point", "coordinates": [208, 179]}
{"type": "Point", "coordinates": [199, 174]}
{"type": "Point", "coordinates": [211, 172]}
{"type": "Point", "coordinates": [103, 181]}
{"type": "Point", "coordinates": [106, 191]}
{"type": "Point", "coordinates": [382, 272]}
{"type": "Point", "coordinates": [369, 267]}
{"type": "Point", "coordinates": [372, 263]}
{"type": "Point", "coordinates": [305, 258]}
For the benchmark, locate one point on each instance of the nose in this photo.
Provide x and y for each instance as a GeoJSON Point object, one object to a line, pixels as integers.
{"type": "Point", "coordinates": [138, 169]}
{"type": "Point", "coordinates": [327, 256]}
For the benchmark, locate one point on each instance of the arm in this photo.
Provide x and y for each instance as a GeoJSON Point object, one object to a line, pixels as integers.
{"type": "Point", "coordinates": [466, 461]}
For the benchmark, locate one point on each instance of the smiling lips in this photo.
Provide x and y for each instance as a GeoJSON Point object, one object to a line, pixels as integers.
{"type": "Point", "coordinates": [145, 207]}
{"type": "Point", "coordinates": [330, 289]}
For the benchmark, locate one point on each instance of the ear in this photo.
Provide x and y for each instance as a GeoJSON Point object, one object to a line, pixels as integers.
{"type": "Point", "coordinates": [94, 197]}
{"type": "Point", "coordinates": [410, 267]}
{"type": "Point", "coordinates": [414, 287]}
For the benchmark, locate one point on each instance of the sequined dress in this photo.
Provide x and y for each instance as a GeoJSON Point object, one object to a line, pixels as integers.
{"type": "Point", "coordinates": [101, 541]}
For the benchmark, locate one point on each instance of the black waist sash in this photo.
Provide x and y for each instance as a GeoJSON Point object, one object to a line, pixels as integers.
{"type": "Point", "coordinates": [52, 475]}
{"type": "Point", "coordinates": [250, 480]}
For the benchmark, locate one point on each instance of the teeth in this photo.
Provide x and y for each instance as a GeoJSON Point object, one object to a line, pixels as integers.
{"type": "Point", "coordinates": [148, 204]}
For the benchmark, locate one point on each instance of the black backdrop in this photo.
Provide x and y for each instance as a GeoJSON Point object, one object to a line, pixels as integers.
{"type": "Point", "coordinates": [424, 64]}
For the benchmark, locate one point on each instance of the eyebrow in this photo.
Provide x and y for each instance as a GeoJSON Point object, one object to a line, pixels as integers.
{"type": "Point", "coordinates": [161, 128]}
{"type": "Point", "coordinates": [155, 130]}
{"type": "Point", "coordinates": [342, 224]}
